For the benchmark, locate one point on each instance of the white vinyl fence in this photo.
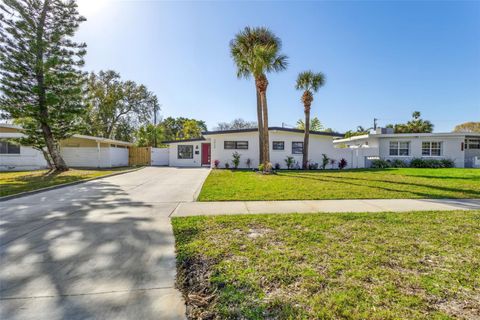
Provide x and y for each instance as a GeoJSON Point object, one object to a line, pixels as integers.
{"type": "Point", "coordinates": [159, 157]}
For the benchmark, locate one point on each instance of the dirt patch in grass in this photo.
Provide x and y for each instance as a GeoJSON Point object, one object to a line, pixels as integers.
{"type": "Point", "coordinates": [416, 265]}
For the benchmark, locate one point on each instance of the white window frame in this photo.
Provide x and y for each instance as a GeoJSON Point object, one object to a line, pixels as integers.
{"type": "Point", "coordinates": [430, 148]}
{"type": "Point", "coordinates": [398, 142]}
{"type": "Point", "coordinates": [184, 145]}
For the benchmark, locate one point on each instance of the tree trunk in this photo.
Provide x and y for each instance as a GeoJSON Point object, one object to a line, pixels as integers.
{"type": "Point", "coordinates": [266, 141]}
{"type": "Point", "coordinates": [260, 126]}
{"type": "Point", "coordinates": [46, 155]}
{"type": "Point", "coordinates": [58, 162]}
{"type": "Point", "coordinates": [306, 138]}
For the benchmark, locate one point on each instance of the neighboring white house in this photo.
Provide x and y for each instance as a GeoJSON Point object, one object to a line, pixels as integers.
{"type": "Point", "coordinates": [462, 148]}
{"type": "Point", "coordinates": [77, 151]}
{"type": "Point", "coordinates": [284, 142]}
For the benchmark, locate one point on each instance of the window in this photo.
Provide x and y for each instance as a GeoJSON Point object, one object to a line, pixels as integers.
{"type": "Point", "coordinates": [473, 143]}
{"type": "Point", "coordinates": [399, 148]}
{"type": "Point", "coordinates": [185, 152]}
{"type": "Point", "coordinates": [297, 147]}
{"type": "Point", "coordinates": [431, 148]}
{"type": "Point", "coordinates": [9, 148]}
{"type": "Point", "coordinates": [235, 145]}
{"type": "Point", "coordinates": [278, 145]}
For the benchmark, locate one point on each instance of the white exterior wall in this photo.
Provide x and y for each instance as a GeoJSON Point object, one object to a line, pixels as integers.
{"type": "Point", "coordinates": [451, 149]}
{"type": "Point", "coordinates": [28, 159]}
{"type": "Point", "coordinates": [225, 155]}
{"type": "Point", "coordinates": [118, 157]}
{"type": "Point", "coordinates": [87, 157]}
{"type": "Point", "coordinates": [160, 156]}
{"type": "Point", "coordinates": [195, 162]}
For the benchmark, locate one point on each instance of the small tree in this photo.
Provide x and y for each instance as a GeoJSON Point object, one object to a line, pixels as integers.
{"type": "Point", "coordinates": [325, 161]}
{"type": "Point", "coordinates": [236, 159]}
{"type": "Point", "coordinates": [342, 164]}
{"type": "Point", "coordinates": [289, 161]}
{"type": "Point", "coordinates": [41, 81]}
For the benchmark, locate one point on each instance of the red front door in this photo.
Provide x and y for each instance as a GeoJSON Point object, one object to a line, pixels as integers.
{"type": "Point", "coordinates": [205, 153]}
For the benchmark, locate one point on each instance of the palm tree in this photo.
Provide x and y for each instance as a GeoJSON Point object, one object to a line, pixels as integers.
{"type": "Point", "coordinates": [255, 52]}
{"type": "Point", "coordinates": [309, 82]}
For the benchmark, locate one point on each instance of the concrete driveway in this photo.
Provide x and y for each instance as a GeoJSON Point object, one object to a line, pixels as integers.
{"type": "Point", "coordinates": [98, 250]}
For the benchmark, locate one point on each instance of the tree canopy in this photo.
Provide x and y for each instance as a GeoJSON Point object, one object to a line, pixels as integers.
{"type": "Point", "coordinates": [468, 127]}
{"type": "Point", "coordinates": [182, 128]}
{"type": "Point", "coordinates": [416, 125]}
{"type": "Point", "coordinates": [238, 123]}
{"type": "Point", "coordinates": [315, 125]}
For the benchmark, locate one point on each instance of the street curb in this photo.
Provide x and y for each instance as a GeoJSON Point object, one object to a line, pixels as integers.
{"type": "Point", "coordinates": [59, 186]}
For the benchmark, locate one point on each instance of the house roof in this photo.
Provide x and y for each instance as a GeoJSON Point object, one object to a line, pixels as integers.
{"type": "Point", "coordinates": [321, 133]}
{"type": "Point", "coordinates": [79, 136]}
{"type": "Point", "coordinates": [184, 140]}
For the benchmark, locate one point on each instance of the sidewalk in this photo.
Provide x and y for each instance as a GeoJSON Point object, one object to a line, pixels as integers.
{"type": "Point", "coordinates": [309, 206]}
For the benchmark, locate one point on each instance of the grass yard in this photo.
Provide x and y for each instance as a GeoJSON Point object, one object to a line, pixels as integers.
{"type": "Point", "coordinates": [406, 183]}
{"type": "Point", "coordinates": [16, 182]}
{"type": "Point", "coordinates": [416, 265]}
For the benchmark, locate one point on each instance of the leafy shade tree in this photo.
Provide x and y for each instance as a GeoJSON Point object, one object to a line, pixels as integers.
{"type": "Point", "coordinates": [309, 82]}
{"type": "Point", "coordinates": [416, 125]}
{"type": "Point", "coordinates": [315, 125]}
{"type": "Point", "coordinates": [256, 52]}
{"type": "Point", "coordinates": [468, 127]}
{"type": "Point", "coordinates": [182, 128]}
{"type": "Point", "coordinates": [238, 123]}
{"type": "Point", "coordinates": [41, 81]}
{"type": "Point", "coordinates": [116, 108]}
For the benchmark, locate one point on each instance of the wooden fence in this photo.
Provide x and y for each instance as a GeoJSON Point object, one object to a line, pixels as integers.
{"type": "Point", "coordinates": [139, 156]}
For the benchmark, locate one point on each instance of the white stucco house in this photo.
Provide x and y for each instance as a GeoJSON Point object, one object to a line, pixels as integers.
{"type": "Point", "coordinates": [220, 145]}
{"type": "Point", "coordinates": [77, 151]}
{"type": "Point", "coordinates": [462, 148]}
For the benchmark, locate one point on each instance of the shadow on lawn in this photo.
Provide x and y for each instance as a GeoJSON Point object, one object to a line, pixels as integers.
{"type": "Point", "coordinates": [57, 250]}
{"type": "Point", "coordinates": [338, 179]}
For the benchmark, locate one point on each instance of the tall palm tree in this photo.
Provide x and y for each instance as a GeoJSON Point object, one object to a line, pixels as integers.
{"type": "Point", "coordinates": [255, 52]}
{"type": "Point", "coordinates": [309, 82]}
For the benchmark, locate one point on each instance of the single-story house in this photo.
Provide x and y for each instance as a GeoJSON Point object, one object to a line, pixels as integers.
{"type": "Point", "coordinates": [462, 148]}
{"type": "Point", "coordinates": [77, 151]}
{"type": "Point", "coordinates": [284, 142]}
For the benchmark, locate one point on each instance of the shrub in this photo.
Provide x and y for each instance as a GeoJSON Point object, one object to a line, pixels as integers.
{"type": "Point", "coordinates": [432, 163]}
{"type": "Point", "coordinates": [342, 164]}
{"type": "Point", "coordinates": [227, 166]}
{"type": "Point", "coordinates": [248, 163]}
{"type": "Point", "coordinates": [312, 165]}
{"type": "Point", "coordinates": [216, 163]}
{"type": "Point", "coordinates": [277, 166]}
{"type": "Point", "coordinates": [380, 164]}
{"type": "Point", "coordinates": [236, 159]}
{"type": "Point", "coordinates": [260, 167]}
{"type": "Point", "coordinates": [397, 163]}
{"type": "Point", "coordinates": [325, 161]}
{"type": "Point", "coordinates": [332, 162]}
{"type": "Point", "coordinates": [289, 161]}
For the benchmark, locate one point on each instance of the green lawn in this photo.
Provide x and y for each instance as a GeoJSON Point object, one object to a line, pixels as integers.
{"type": "Point", "coordinates": [416, 265]}
{"type": "Point", "coordinates": [349, 184]}
{"type": "Point", "coordinates": [16, 182]}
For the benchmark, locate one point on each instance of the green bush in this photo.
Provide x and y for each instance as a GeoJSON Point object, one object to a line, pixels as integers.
{"type": "Point", "coordinates": [431, 163]}
{"type": "Point", "coordinates": [380, 164]}
{"type": "Point", "coordinates": [397, 163]}
{"type": "Point", "coordinates": [236, 159]}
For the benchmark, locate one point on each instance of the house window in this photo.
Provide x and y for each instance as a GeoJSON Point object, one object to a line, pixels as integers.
{"type": "Point", "coordinates": [473, 143]}
{"type": "Point", "coordinates": [9, 148]}
{"type": "Point", "coordinates": [431, 148]}
{"type": "Point", "coordinates": [297, 147]}
{"type": "Point", "coordinates": [278, 145]}
{"type": "Point", "coordinates": [399, 148]}
{"type": "Point", "coordinates": [235, 145]}
{"type": "Point", "coordinates": [185, 152]}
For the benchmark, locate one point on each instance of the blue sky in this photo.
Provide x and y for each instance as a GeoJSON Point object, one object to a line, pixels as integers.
{"type": "Point", "coordinates": [382, 59]}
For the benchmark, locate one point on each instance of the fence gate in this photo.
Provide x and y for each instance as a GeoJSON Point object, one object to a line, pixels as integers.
{"type": "Point", "coordinates": [139, 156]}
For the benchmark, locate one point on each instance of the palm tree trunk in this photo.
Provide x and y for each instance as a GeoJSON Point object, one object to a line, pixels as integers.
{"type": "Point", "coordinates": [266, 141]}
{"type": "Point", "coordinates": [260, 125]}
{"type": "Point", "coordinates": [306, 138]}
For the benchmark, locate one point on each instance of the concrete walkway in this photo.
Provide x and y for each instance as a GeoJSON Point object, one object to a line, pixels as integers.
{"type": "Point", "coordinates": [377, 205]}
{"type": "Point", "coordinates": [103, 249]}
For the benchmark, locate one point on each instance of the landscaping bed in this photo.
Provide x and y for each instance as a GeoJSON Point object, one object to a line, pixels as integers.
{"type": "Point", "coordinates": [392, 183]}
{"type": "Point", "coordinates": [16, 182]}
{"type": "Point", "coordinates": [416, 265]}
